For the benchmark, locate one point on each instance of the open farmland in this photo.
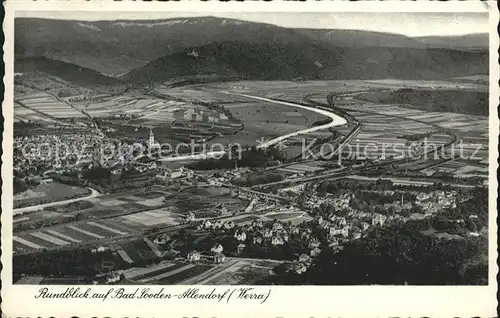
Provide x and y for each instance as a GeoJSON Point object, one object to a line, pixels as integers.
{"type": "Point", "coordinates": [260, 119]}
{"type": "Point", "coordinates": [166, 273]}
{"type": "Point", "coordinates": [469, 153]}
{"type": "Point", "coordinates": [470, 102]}
{"type": "Point", "coordinates": [144, 110]}
{"type": "Point", "coordinates": [108, 216]}
{"type": "Point", "coordinates": [47, 104]}
{"type": "Point", "coordinates": [450, 84]}
{"type": "Point", "coordinates": [25, 114]}
{"type": "Point", "coordinates": [263, 120]}
{"type": "Point", "coordinates": [45, 82]}
{"type": "Point", "coordinates": [202, 201]}
{"type": "Point", "coordinates": [76, 232]}
{"type": "Point", "coordinates": [46, 193]}
{"type": "Point", "coordinates": [235, 271]}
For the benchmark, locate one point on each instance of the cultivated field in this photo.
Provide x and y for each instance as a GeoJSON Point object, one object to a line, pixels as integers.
{"type": "Point", "coordinates": [47, 193]}
{"type": "Point", "coordinates": [123, 217]}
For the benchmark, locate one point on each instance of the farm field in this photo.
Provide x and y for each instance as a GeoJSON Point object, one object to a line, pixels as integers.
{"type": "Point", "coordinates": [232, 271]}
{"type": "Point", "coordinates": [40, 280]}
{"type": "Point", "coordinates": [161, 216]}
{"type": "Point", "coordinates": [135, 251]}
{"type": "Point", "coordinates": [383, 125]}
{"type": "Point", "coordinates": [260, 119]}
{"type": "Point", "coordinates": [470, 152]}
{"type": "Point", "coordinates": [461, 168]}
{"type": "Point", "coordinates": [99, 206]}
{"type": "Point", "coordinates": [166, 273]}
{"type": "Point", "coordinates": [145, 110]}
{"type": "Point", "coordinates": [24, 114]}
{"type": "Point", "coordinates": [284, 216]}
{"type": "Point", "coordinates": [48, 105]}
{"type": "Point", "coordinates": [134, 213]}
{"type": "Point", "coordinates": [87, 230]}
{"type": "Point", "coordinates": [398, 83]}
{"type": "Point", "coordinates": [50, 192]}
{"type": "Point", "coordinates": [66, 234]}
{"type": "Point", "coordinates": [202, 201]}
{"type": "Point", "coordinates": [235, 271]}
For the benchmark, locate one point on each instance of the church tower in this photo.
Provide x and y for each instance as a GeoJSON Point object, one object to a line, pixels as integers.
{"type": "Point", "coordinates": [151, 139]}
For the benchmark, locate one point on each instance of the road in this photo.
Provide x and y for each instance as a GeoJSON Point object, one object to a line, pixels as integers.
{"type": "Point", "coordinates": [94, 193]}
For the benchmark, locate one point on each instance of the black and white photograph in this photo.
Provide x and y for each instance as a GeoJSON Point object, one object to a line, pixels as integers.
{"type": "Point", "coordinates": [251, 148]}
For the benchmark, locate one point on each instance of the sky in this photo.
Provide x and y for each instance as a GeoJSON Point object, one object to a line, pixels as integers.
{"type": "Point", "coordinates": [406, 23]}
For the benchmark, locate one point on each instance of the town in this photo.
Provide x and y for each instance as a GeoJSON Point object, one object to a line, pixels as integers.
{"type": "Point", "coordinates": [275, 177]}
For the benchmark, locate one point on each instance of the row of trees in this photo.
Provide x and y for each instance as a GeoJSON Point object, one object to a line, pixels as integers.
{"type": "Point", "coordinates": [251, 158]}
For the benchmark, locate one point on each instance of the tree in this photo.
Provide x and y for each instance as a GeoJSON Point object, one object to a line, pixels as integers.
{"type": "Point", "coordinates": [471, 225]}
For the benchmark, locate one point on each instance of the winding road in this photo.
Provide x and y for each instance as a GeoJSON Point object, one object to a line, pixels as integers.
{"type": "Point", "coordinates": [94, 193]}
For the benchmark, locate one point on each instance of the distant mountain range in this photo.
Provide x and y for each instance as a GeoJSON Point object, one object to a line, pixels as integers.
{"type": "Point", "coordinates": [292, 61]}
{"type": "Point", "coordinates": [470, 42]}
{"type": "Point", "coordinates": [158, 50]}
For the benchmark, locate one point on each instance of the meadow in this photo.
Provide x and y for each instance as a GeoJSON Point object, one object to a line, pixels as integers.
{"type": "Point", "coordinates": [46, 193]}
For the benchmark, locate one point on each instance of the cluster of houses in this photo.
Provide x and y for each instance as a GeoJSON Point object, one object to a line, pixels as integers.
{"type": "Point", "coordinates": [300, 265]}
{"type": "Point", "coordinates": [216, 251]}
{"type": "Point", "coordinates": [434, 201]}
{"type": "Point", "coordinates": [227, 176]}
{"type": "Point", "coordinates": [261, 233]}
{"type": "Point", "coordinates": [215, 225]}
{"type": "Point", "coordinates": [169, 174]}
{"type": "Point", "coordinates": [354, 222]}
{"type": "Point", "coordinates": [60, 153]}
{"type": "Point", "coordinates": [55, 152]}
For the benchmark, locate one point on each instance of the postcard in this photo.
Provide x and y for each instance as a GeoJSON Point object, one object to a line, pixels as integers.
{"type": "Point", "coordinates": [250, 159]}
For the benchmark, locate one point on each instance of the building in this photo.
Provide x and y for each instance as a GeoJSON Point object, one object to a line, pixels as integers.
{"type": "Point", "coordinates": [217, 225]}
{"type": "Point", "coordinates": [162, 239]}
{"type": "Point", "coordinates": [277, 240]}
{"type": "Point", "coordinates": [207, 224]}
{"type": "Point", "coordinates": [229, 225]}
{"type": "Point", "coordinates": [217, 249]}
{"type": "Point", "coordinates": [99, 249]}
{"type": "Point", "coordinates": [299, 268]}
{"type": "Point", "coordinates": [219, 258]}
{"type": "Point", "coordinates": [190, 217]}
{"type": "Point", "coordinates": [193, 256]}
{"type": "Point", "coordinates": [315, 252]}
{"type": "Point", "coordinates": [113, 278]}
{"type": "Point", "coordinates": [314, 243]}
{"type": "Point", "coordinates": [378, 219]}
{"type": "Point", "coordinates": [152, 142]}
{"type": "Point", "coordinates": [240, 236]}
{"type": "Point", "coordinates": [257, 240]}
{"type": "Point", "coordinates": [342, 231]}
{"type": "Point", "coordinates": [177, 173]}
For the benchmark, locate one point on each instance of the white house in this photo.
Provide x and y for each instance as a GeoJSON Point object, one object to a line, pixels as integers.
{"type": "Point", "coordinates": [193, 256]}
